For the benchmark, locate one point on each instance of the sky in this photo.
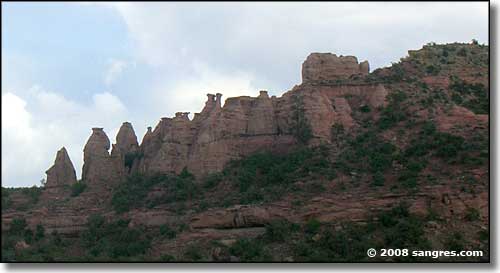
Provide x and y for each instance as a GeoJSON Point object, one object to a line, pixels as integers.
{"type": "Point", "coordinates": [68, 67]}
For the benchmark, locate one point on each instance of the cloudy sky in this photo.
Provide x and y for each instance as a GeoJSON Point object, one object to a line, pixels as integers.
{"type": "Point", "coordinates": [68, 67]}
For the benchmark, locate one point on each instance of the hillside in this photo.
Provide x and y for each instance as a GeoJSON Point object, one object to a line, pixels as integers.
{"type": "Point", "coordinates": [346, 161]}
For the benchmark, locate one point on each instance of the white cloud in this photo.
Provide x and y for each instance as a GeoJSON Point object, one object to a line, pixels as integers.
{"type": "Point", "coordinates": [189, 95]}
{"type": "Point", "coordinates": [115, 69]}
{"type": "Point", "coordinates": [34, 128]}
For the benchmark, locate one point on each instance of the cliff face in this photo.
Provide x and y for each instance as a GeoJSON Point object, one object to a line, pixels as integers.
{"type": "Point", "coordinates": [246, 125]}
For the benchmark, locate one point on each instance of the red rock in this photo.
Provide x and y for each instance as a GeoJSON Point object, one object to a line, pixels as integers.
{"type": "Point", "coordinates": [327, 66]}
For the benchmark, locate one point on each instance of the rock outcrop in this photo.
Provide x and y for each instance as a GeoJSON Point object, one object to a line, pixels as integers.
{"type": "Point", "coordinates": [327, 66]}
{"type": "Point", "coordinates": [59, 178]}
{"type": "Point", "coordinates": [62, 173]}
{"type": "Point", "coordinates": [126, 140]}
{"type": "Point", "coordinates": [98, 165]}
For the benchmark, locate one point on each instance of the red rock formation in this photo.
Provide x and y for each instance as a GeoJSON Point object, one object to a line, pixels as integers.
{"type": "Point", "coordinates": [126, 140]}
{"type": "Point", "coordinates": [327, 66]}
{"type": "Point", "coordinates": [59, 177]}
{"type": "Point", "coordinates": [98, 166]}
{"type": "Point", "coordinates": [62, 172]}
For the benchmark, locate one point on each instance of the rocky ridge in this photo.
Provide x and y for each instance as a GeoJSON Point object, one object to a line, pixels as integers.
{"type": "Point", "coordinates": [333, 91]}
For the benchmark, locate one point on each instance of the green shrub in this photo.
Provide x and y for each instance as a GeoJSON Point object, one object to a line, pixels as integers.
{"type": "Point", "coordinates": [368, 147]}
{"type": "Point", "coordinates": [472, 214]}
{"type": "Point", "coordinates": [378, 179]}
{"type": "Point", "coordinates": [39, 232]}
{"type": "Point", "coordinates": [455, 241]}
{"type": "Point", "coordinates": [167, 258]}
{"type": "Point", "coordinates": [471, 96]}
{"type": "Point", "coordinates": [133, 191]}
{"type": "Point", "coordinates": [193, 253]}
{"type": "Point", "coordinates": [185, 174]}
{"type": "Point", "coordinates": [394, 112]}
{"type": "Point", "coordinates": [365, 109]}
{"type": "Point", "coordinates": [279, 230]}
{"type": "Point", "coordinates": [17, 226]}
{"type": "Point", "coordinates": [212, 180]}
{"type": "Point", "coordinates": [301, 128]}
{"type": "Point", "coordinates": [6, 200]}
{"type": "Point", "coordinates": [167, 232]}
{"type": "Point", "coordinates": [130, 157]}
{"type": "Point", "coordinates": [432, 70]}
{"type": "Point", "coordinates": [267, 176]}
{"type": "Point", "coordinates": [445, 145]}
{"type": "Point", "coordinates": [33, 194]}
{"type": "Point", "coordinates": [78, 188]}
{"type": "Point", "coordinates": [312, 226]}
{"type": "Point", "coordinates": [249, 250]}
{"type": "Point", "coordinates": [114, 239]}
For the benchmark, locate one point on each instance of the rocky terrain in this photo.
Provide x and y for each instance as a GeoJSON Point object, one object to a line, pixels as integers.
{"type": "Point", "coordinates": [347, 160]}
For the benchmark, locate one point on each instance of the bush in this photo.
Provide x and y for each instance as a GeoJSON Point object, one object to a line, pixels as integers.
{"type": "Point", "coordinates": [432, 70]}
{"type": "Point", "coordinates": [279, 230]}
{"type": "Point", "coordinates": [115, 239]}
{"type": "Point", "coordinates": [130, 157]}
{"type": "Point", "coordinates": [455, 241]}
{"type": "Point", "coordinates": [368, 147]}
{"type": "Point", "coordinates": [185, 174]}
{"type": "Point", "coordinates": [301, 128]}
{"type": "Point", "coordinates": [472, 214]}
{"type": "Point", "coordinates": [312, 226]}
{"type": "Point", "coordinates": [17, 226]}
{"type": "Point", "coordinates": [6, 201]}
{"type": "Point", "coordinates": [39, 232]}
{"type": "Point", "coordinates": [133, 191]}
{"type": "Point", "coordinates": [394, 112]}
{"type": "Point", "coordinates": [193, 253]}
{"type": "Point", "coordinates": [365, 109]}
{"type": "Point", "coordinates": [78, 188]}
{"type": "Point", "coordinates": [445, 145]}
{"type": "Point", "coordinates": [471, 96]}
{"type": "Point", "coordinates": [167, 232]}
{"type": "Point", "coordinates": [212, 180]}
{"type": "Point", "coordinates": [33, 193]}
{"type": "Point", "coordinates": [378, 179]}
{"type": "Point", "coordinates": [249, 250]}
{"type": "Point", "coordinates": [267, 176]}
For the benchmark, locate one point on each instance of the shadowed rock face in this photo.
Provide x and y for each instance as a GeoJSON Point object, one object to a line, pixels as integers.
{"type": "Point", "coordinates": [62, 172]}
{"type": "Point", "coordinates": [327, 66]}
